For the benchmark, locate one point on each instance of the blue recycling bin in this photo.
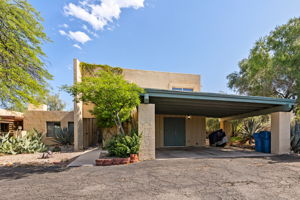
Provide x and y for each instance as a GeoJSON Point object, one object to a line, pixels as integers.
{"type": "Point", "coordinates": [258, 142]}
{"type": "Point", "coordinates": [266, 141]}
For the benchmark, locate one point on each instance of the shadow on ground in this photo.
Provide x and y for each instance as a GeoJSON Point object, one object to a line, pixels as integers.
{"type": "Point", "coordinates": [21, 171]}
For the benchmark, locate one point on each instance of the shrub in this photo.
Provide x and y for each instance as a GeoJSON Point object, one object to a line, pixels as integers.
{"type": "Point", "coordinates": [123, 145]}
{"type": "Point", "coordinates": [64, 137]}
{"type": "Point", "coordinates": [30, 143]}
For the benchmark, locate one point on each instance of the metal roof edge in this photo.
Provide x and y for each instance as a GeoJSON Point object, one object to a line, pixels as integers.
{"type": "Point", "coordinates": [217, 96]}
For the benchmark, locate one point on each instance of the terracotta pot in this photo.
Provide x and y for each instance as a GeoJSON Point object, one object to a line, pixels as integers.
{"type": "Point", "coordinates": [134, 158]}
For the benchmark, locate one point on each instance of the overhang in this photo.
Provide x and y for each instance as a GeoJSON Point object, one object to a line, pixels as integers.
{"type": "Point", "coordinates": [213, 104]}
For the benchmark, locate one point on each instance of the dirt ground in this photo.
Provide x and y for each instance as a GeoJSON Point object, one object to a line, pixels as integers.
{"type": "Point", "coordinates": [35, 159]}
{"type": "Point", "coordinates": [276, 177]}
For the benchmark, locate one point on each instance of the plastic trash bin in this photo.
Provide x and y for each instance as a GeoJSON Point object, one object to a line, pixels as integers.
{"type": "Point", "coordinates": [266, 141]}
{"type": "Point", "coordinates": [258, 142]}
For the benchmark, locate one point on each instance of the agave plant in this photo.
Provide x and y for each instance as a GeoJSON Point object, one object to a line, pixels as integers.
{"type": "Point", "coordinates": [64, 136]}
{"type": "Point", "coordinates": [250, 126]}
{"type": "Point", "coordinates": [295, 137]}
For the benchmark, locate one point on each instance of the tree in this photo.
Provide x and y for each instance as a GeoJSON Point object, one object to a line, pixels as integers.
{"type": "Point", "coordinates": [273, 65]}
{"type": "Point", "coordinates": [23, 76]}
{"type": "Point", "coordinates": [55, 103]}
{"type": "Point", "coordinates": [114, 97]}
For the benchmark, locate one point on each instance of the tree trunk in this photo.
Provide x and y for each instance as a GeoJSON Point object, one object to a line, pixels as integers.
{"type": "Point", "coordinates": [119, 124]}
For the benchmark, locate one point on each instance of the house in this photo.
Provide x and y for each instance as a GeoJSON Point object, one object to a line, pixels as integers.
{"type": "Point", "coordinates": [39, 118]}
{"type": "Point", "coordinates": [173, 112]}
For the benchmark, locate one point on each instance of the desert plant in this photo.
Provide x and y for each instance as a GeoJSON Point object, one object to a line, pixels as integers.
{"type": "Point", "coordinates": [123, 145]}
{"type": "Point", "coordinates": [252, 125]}
{"type": "Point", "coordinates": [295, 137]}
{"type": "Point", "coordinates": [30, 143]}
{"type": "Point", "coordinates": [64, 137]}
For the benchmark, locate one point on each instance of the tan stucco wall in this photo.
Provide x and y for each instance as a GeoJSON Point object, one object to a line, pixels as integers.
{"type": "Point", "coordinates": [146, 126]}
{"type": "Point", "coordinates": [157, 80]}
{"type": "Point", "coordinates": [37, 120]}
{"type": "Point", "coordinates": [194, 130]}
{"type": "Point", "coordinates": [280, 132]}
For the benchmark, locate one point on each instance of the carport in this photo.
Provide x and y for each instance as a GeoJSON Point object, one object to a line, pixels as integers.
{"type": "Point", "coordinates": [157, 102]}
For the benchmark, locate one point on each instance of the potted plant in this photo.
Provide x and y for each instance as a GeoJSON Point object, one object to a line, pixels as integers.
{"type": "Point", "coordinates": [134, 146]}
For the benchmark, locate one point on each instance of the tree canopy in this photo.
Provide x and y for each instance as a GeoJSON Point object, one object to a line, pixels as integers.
{"type": "Point", "coordinates": [113, 96]}
{"type": "Point", "coordinates": [273, 65]}
{"type": "Point", "coordinates": [55, 103]}
{"type": "Point", "coordinates": [23, 76]}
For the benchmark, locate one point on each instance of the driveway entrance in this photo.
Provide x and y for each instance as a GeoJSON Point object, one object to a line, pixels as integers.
{"type": "Point", "coordinates": [206, 152]}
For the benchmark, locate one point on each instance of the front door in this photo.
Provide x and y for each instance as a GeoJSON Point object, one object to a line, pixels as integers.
{"type": "Point", "coordinates": [174, 131]}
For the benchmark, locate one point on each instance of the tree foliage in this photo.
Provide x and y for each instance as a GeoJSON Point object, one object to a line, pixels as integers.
{"type": "Point", "coordinates": [23, 76]}
{"type": "Point", "coordinates": [273, 65]}
{"type": "Point", "coordinates": [55, 103]}
{"type": "Point", "coordinates": [114, 98]}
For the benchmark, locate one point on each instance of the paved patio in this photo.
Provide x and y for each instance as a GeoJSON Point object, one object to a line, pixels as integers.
{"type": "Point", "coordinates": [206, 152]}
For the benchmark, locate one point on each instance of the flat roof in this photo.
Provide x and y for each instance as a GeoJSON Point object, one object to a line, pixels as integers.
{"type": "Point", "coordinates": [213, 104]}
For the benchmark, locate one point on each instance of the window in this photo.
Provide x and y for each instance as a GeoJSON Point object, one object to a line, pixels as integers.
{"type": "Point", "coordinates": [183, 89]}
{"type": "Point", "coordinates": [53, 128]}
{"type": "Point", "coordinates": [71, 127]}
{"type": "Point", "coordinates": [4, 127]}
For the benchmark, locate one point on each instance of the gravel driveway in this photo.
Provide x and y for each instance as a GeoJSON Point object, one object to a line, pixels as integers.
{"type": "Point", "coordinates": [276, 177]}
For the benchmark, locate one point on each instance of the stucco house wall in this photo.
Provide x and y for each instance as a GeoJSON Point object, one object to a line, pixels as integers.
{"type": "Point", "coordinates": [38, 119]}
{"type": "Point", "coordinates": [157, 80]}
{"type": "Point", "coordinates": [194, 130]}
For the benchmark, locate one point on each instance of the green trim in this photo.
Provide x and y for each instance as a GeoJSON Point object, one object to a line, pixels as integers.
{"type": "Point", "coordinates": [217, 97]}
{"type": "Point", "coordinates": [283, 108]}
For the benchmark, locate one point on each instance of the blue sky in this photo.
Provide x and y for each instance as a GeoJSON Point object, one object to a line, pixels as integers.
{"type": "Point", "coordinates": [206, 37]}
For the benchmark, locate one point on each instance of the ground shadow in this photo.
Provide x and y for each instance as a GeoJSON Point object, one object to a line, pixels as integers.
{"type": "Point", "coordinates": [19, 171]}
{"type": "Point", "coordinates": [292, 158]}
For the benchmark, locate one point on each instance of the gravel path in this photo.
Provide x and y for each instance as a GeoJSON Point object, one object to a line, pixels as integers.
{"type": "Point", "coordinates": [276, 177]}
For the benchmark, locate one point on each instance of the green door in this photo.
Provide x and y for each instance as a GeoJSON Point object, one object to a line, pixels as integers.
{"type": "Point", "coordinates": [174, 131]}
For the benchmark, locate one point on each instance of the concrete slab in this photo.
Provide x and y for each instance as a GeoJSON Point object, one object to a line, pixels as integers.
{"type": "Point", "coordinates": [86, 159]}
{"type": "Point", "coordinates": [206, 152]}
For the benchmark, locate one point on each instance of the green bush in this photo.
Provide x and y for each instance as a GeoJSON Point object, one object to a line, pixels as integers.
{"type": "Point", "coordinates": [64, 137]}
{"type": "Point", "coordinates": [30, 143]}
{"type": "Point", "coordinates": [123, 145]}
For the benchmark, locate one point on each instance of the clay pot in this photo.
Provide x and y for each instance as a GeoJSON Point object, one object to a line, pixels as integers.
{"type": "Point", "coordinates": [134, 158]}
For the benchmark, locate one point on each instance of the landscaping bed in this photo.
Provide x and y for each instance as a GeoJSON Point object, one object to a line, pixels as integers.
{"type": "Point", "coordinates": [57, 158]}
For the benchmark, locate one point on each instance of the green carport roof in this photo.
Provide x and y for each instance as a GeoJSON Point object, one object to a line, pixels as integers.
{"type": "Point", "coordinates": [213, 104]}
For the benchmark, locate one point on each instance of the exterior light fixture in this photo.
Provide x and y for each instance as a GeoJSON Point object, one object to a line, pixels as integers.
{"type": "Point", "coordinates": [188, 117]}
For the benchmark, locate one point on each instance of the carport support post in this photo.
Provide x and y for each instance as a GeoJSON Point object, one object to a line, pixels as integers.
{"type": "Point", "coordinates": [280, 132]}
{"type": "Point", "coordinates": [146, 126]}
{"type": "Point", "coordinates": [227, 127]}
{"type": "Point", "coordinates": [78, 121]}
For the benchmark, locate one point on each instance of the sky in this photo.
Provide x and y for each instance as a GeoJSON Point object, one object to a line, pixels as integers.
{"type": "Point", "coordinates": [206, 37]}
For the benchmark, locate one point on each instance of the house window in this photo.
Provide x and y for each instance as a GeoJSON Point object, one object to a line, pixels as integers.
{"type": "Point", "coordinates": [183, 89]}
{"type": "Point", "coordinates": [53, 128]}
{"type": "Point", "coordinates": [71, 127]}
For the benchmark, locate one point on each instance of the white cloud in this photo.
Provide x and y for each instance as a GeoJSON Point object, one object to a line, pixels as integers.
{"type": "Point", "coordinates": [99, 13]}
{"type": "Point", "coordinates": [76, 46]}
{"type": "Point", "coordinates": [62, 32]}
{"type": "Point", "coordinates": [64, 26]}
{"type": "Point", "coordinates": [77, 36]}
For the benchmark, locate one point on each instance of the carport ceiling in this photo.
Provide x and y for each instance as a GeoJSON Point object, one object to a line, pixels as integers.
{"type": "Point", "coordinates": [213, 104]}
